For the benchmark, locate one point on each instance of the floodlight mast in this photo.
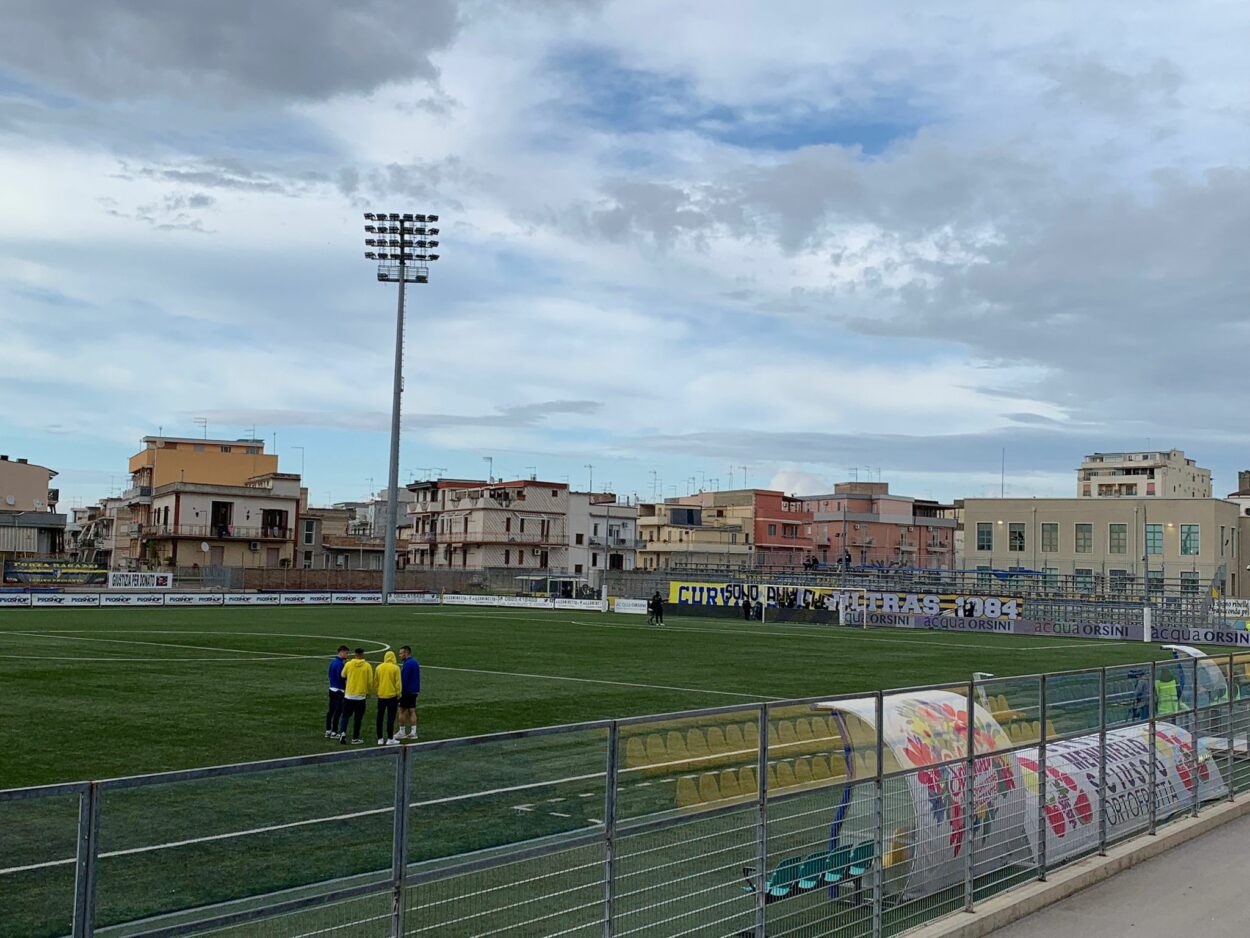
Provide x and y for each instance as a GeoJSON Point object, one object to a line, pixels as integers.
{"type": "Point", "coordinates": [393, 237]}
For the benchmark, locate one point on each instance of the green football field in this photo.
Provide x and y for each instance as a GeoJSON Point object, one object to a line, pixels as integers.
{"type": "Point", "coordinates": [97, 694]}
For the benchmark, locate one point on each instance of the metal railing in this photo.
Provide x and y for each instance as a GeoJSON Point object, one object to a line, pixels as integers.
{"type": "Point", "coordinates": [219, 531]}
{"type": "Point", "coordinates": [756, 819]}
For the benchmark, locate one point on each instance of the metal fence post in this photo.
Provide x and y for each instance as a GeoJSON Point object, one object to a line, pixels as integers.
{"type": "Point", "coordinates": [1041, 782]}
{"type": "Point", "coordinates": [399, 843]}
{"type": "Point", "coordinates": [970, 776]}
{"type": "Point", "coordinates": [609, 833]}
{"type": "Point", "coordinates": [1153, 783]}
{"type": "Point", "coordinates": [1102, 762]}
{"type": "Point", "coordinates": [86, 861]}
{"type": "Point", "coordinates": [1232, 736]}
{"type": "Point", "coordinates": [761, 828]}
{"type": "Point", "coordinates": [1193, 743]}
{"type": "Point", "coordinates": [878, 866]}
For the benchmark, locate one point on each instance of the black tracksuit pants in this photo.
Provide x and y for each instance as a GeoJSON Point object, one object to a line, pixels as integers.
{"type": "Point", "coordinates": [388, 706]}
{"type": "Point", "coordinates": [335, 711]}
{"type": "Point", "coordinates": [352, 709]}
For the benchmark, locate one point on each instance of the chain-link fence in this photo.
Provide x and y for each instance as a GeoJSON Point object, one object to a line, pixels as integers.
{"type": "Point", "coordinates": [854, 816]}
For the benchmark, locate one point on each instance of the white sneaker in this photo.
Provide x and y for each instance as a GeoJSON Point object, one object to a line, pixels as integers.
{"type": "Point", "coordinates": [392, 741]}
{"type": "Point", "coordinates": [330, 734]}
{"type": "Point", "coordinates": [402, 734]}
{"type": "Point", "coordinates": [356, 741]}
{"type": "Point", "coordinates": [381, 740]}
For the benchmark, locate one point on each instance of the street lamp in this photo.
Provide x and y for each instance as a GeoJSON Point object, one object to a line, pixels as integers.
{"type": "Point", "coordinates": [400, 243]}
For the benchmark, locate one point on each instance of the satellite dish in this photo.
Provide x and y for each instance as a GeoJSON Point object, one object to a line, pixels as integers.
{"type": "Point", "coordinates": [204, 546]}
{"type": "Point", "coordinates": [10, 500]}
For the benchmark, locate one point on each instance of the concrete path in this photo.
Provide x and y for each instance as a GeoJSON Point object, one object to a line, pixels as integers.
{"type": "Point", "coordinates": [1196, 890]}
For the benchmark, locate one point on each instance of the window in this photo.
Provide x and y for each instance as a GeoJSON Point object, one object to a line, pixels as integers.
{"type": "Point", "coordinates": [985, 578]}
{"type": "Point", "coordinates": [594, 560]}
{"type": "Point", "coordinates": [1085, 490]}
{"type": "Point", "coordinates": [1084, 538]}
{"type": "Point", "coordinates": [310, 531]}
{"type": "Point", "coordinates": [1189, 581]}
{"type": "Point", "coordinates": [197, 447]}
{"type": "Point", "coordinates": [1050, 537]}
{"type": "Point", "coordinates": [308, 560]}
{"type": "Point", "coordinates": [1154, 581]}
{"type": "Point", "coordinates": [985, 535]}
{"type": "Point", "coordinates": [577, 568]}
{"type": "Point", "coordinates": [1119, 580]}
{"type": "Point", "coordinates": [1015, 536]}
{"type": "Point", "coordinates": [579, 538]}
{"type": "Point", "coordinates": [252, 450]}
{"type": "Point", "coordinates": [507, 525]}
{"type": "Point", "coordinates": [1190, 540]}
{"type": "Point", "coordinates": [1117, 538]}
{"type": "Point", "coordinates": [1050, 577]}
{"type": "Point", "coordinates": [225, 449]}
{"type": "Point", "coordinates": [507, 556]}
{"type": "Point", "coordinates": [1083, 579]}
{"type": "Point", "coordinates": [772, 530]}
{"type": "Point", "coordinates": [522, 526]}
{"type": "Point", "coordinates": [1154, 540]}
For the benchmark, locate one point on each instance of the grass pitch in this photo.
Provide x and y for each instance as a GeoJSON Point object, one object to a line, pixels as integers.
{"type": "Point", "coordinates": [106, 693]}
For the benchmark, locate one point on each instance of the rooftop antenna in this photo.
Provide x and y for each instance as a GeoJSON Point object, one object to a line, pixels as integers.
{"type": "Point", "coordinates": [1002, 479]}
{"type": "Point", "coordinates": [202, 423]}
{"type": "Point", "coordinates": [490, 468]}
{"type": "Point", "coordinates": [533, 471]}
{"type": "Point", "coordinates": [655, 478]}
{"type": "Point", "coordinates": [591, 469]}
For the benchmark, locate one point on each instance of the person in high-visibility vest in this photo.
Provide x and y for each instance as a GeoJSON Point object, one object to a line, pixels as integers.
{"type": "Point", "coordinates": [1166, 699]}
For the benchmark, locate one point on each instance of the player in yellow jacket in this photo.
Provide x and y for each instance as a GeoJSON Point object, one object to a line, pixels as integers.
{"type": "Point", "coordinates": [386, 680]}
{"type": "Point", "coordinates": [358, 675]}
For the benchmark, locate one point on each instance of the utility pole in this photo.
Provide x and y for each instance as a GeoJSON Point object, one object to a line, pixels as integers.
{"type": "Point", "coordinates": [591, 486]}
{"type": "Point", "coordinates": [490, 468]}
{"type": "Point", "coordinates": [393, 238]}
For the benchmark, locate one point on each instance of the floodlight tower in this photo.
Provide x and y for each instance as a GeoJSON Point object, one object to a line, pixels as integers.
{"type": "Point", "coordinates": [400, 244]}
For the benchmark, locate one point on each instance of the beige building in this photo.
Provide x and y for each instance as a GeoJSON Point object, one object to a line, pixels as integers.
{"type": "Point", "coordinates": [603, 535]}
{"type": "Point", "coordinates": [30, 528]}
{"type": "Point", "coordinates": [470, 524]}
{"type": "Point", "coordinates": [1108, 546]}
{"type": "Point", "coordinates": [674, 535]}
{"type": "Point", "coordinates": [334, 539]}
{"type": "Point", "coordinates": [1152, 474]}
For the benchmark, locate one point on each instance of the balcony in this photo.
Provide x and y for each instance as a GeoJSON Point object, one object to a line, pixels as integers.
{"type": "Point", "coordinates": [137, 493]}
{"type": "Point", "coordinates": [218, 532]}
{"type": "Point", "coordinates": [617, 543]}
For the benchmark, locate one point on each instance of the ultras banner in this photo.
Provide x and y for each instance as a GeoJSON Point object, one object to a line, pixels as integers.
{"type": "Point", "coordinates": [805, 597]}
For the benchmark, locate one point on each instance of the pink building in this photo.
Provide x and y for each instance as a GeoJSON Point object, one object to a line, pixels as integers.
{"type": "Point", "coordinates": [862, 524]}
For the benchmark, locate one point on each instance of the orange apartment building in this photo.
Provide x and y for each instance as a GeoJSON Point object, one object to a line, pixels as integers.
{"type": "Point", "coordinates": [208, 503]}
{"type": "Point", "coordinates": [742, 527]}
{"type": "Point", "coordinates": [863, 524]}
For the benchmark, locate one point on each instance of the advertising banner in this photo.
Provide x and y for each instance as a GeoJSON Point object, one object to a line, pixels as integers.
{"type": "Point", "coordinates": [590, 605]}
{"type": "Point", "coordinates": [938, 605]}
{"type": "Point", "coordinates": [14, 600]}
{"type": "Point", "coordinates": [1072, 802]}
{"type": "Point", "coordinates": [355, 599]}
{"type": "Point", "coordinates": [415, 599]}
{"type": "Point", "coordinates": [53, 573]}
{"type": "Point", "coordinates": [140, 581]}
{"type": "Point", "coordinates": [193, 599]}
{"type": "Point", "coordinates": [132, 599]}
{"type": "Point", "coordinates": [513, 602]}
{"type": "Point", "coordinates": [634, 606]}
{"type": "Point", "coordinates": [65, 599]}
{"type": "Point", "coordinates": [305, 599]}
{"type": "Point", "coordinates": [252, 599]}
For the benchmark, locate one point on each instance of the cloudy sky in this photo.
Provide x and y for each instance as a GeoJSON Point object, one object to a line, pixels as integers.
{"type": "Point", "coordinates": [676, 238]}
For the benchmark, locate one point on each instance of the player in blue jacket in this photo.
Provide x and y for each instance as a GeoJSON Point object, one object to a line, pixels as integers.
{"type": "Point", "coordinates": [409, 688]}
{"type": "Point", "coordinates": [337, 688]}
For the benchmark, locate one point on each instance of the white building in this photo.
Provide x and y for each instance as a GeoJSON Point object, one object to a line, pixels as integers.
{"type": "Point", "coordinates": [603, 535]}
{"type": "Point", "coordinates": [1153, 474]}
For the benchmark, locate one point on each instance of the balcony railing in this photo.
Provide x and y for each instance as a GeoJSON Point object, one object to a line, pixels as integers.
{"type": "Point", "coordinates": [137, 491]}
{"type": "Point", "coordinates": [617, 543]}
{"type": "Point", "coordinates": [218, 532]}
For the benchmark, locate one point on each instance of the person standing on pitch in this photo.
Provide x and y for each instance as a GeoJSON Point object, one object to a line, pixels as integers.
{"type": "Point", "coordinates": [387, 680]}
{"type": "Point", "coordinates": [337, 686]}
{"type": "Point", "coordinates": [657, 608]}
{"type": "Point", "coordinates": [358, 674]}
{"type": "Point", "coordinates": [409, 688]}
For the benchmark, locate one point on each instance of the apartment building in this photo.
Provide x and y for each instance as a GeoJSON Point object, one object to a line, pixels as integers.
{"type": "Point", "coordinates": [1152, 474]}
{"type": "Point", "coordinates": [863, 524]}
{"type": "Point", "coordinates": [30, 527]}
{"type": "Point", "coordinates": [741, 527]}
{"type": "Point", "coordinates": [335, 539]}
{"type": "Point", "coordinates": [603, 535]}
{"type": "Point", "coordinates": [202, 502]}
{"type": "Point", "coordinates": [472, 524]}
{"type": "Point", "coordinates": [1109, 545]}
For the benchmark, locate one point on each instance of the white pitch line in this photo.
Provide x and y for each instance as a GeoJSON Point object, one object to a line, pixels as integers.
{"type": "Point", "coordinates": [125, 641]}
{"type": "Point", "coordinates": [591, 680]}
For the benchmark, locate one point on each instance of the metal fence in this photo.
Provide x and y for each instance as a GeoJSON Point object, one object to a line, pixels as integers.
{"type": "Point", "coordinates": [849, 816]}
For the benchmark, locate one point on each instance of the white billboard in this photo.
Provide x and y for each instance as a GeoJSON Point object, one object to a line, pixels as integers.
{"type": "Point", "coordinates": [140, 581]}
